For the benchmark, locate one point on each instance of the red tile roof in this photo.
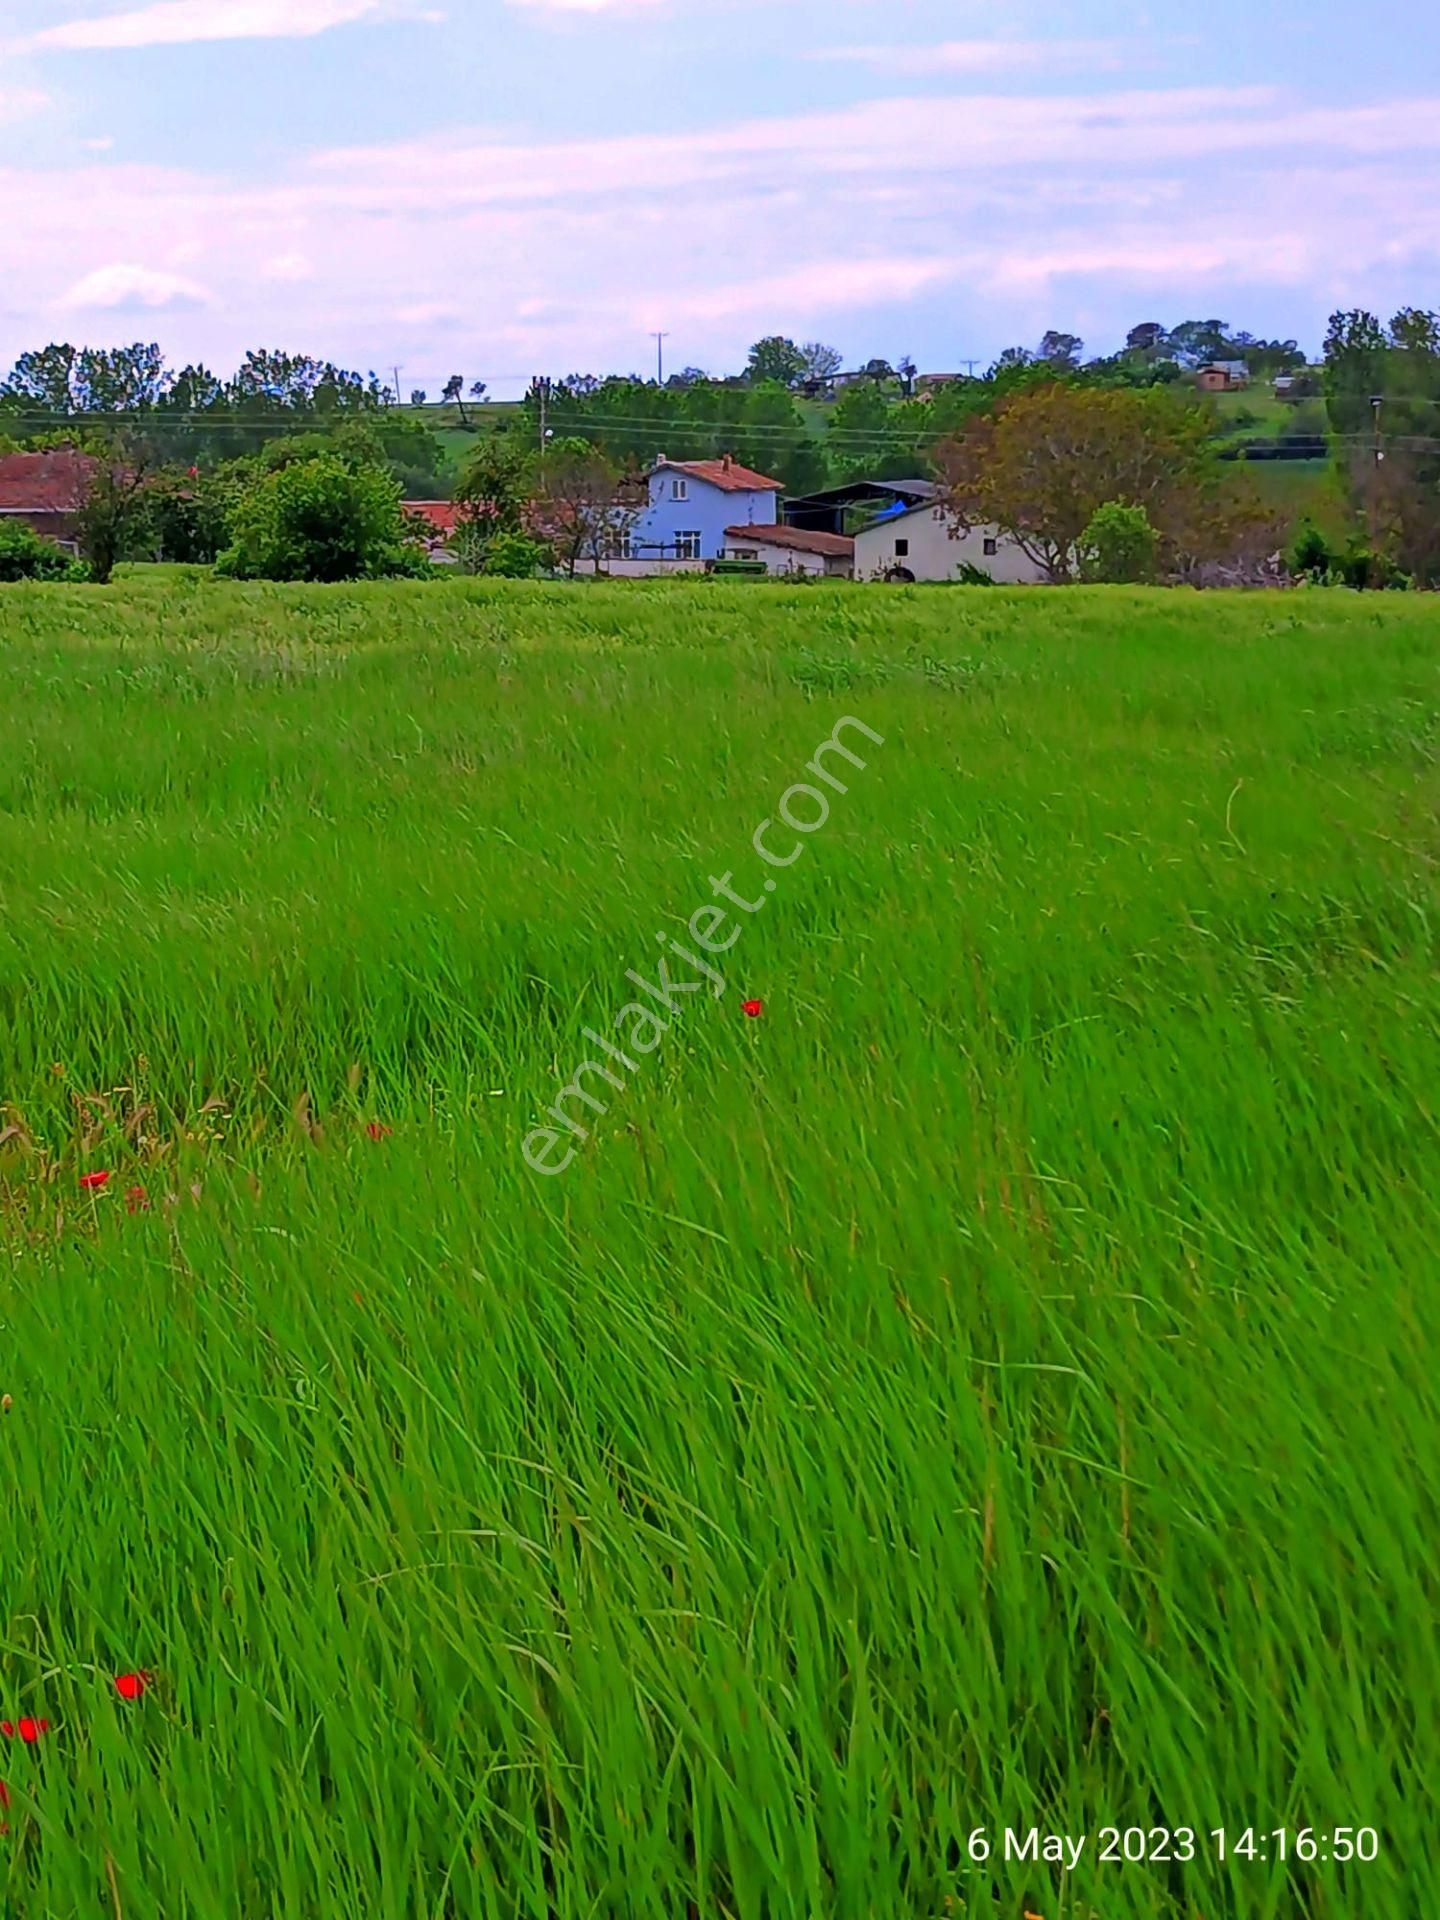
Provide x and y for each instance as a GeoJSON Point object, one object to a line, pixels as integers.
{"type": "Point", "coordinates": [42, 482]}
{"type": "Point", "coordinates": [725, 473]}
{"type": "Point", "coordinates": [444, 515]}
{"type": "Point", "coordinates": [838, 546]}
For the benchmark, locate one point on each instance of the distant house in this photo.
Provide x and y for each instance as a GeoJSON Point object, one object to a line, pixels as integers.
{"type": "Point", "coordinates": [693, 505]}
{"type": "Point", "coordinates": [442, 520]}
{"type": "Point", "coordinates": [792, 550]}
{"type": "Point", "coordinates": [1223, 376]}
{"type": "Point", "coordinates": [918, 544]}
{"type": "Point", "coordinates": [45, 491]}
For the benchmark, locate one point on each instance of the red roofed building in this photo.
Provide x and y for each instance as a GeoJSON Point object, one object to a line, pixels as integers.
{"type": "Point", "coordinates": [443, 519]}
{"type": "Point", "coordinates": [793, 550]}
{"type": "Point", "coordinates": [691, 504]}
{"type": "Point", "coordinates": [725, 473]}
{"type": "Point", "coordinates": [45, 491]}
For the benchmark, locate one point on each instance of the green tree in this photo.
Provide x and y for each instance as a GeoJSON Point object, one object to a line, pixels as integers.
{"type": "Point", "coordinates": [111, 518]}
{"type": "Point", "coordinates": [1119, 545]}
{"type": "Point", "coordinates": [777, 358]}
{"type": "Point", "coordinates": [1148, 338]}
{"type": "Point", "coordinates": [514, 556]}
{"type": "Point", "coordinates": [1382, 393]}
{"type": "Point", "coordinates": [320, 519]}
{"type": "Point", "coordinates": [1061, 349]}
{"type": "Point", "coordinates": [1196, 342]}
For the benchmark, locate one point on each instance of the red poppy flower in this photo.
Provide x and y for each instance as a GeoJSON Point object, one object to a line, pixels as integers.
{"type": "Point", "coordinates": [137, 1200]}
{"type": "Point", "coordinates": [29, 1730]}
{"type": "Point", "coordinates": [130, 1686]}
{"type": "Point", "coordinates": [378, 1132]}
{"type": "Point", "coordinates": [752, 1009]}
{"type": "Point", "coordinates": [93, 1182]}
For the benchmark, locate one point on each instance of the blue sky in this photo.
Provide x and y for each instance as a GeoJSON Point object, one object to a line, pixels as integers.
{"type": "Point", "coordinates": [503, 187]}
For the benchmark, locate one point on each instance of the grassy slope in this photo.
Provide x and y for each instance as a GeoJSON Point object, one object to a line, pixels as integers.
{"type": "Point", "coordinates": [996, 1386]}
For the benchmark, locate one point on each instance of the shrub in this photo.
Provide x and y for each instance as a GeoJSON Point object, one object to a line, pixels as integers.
{"type": "Point", "coordinates": [27, 555]}
{"type": "Point", "coordinates": [514, 556]}
{"type": "Point", "coordinates": [1119, 546]}
{"type": "Point", "coordinates": [1309, 555]}
{"type": "Point", "coordinates": [320, 519]}
{"type": "Point", "coordinates": [185, 519]}
{"type": "Point", "coordinates": [1312, 558]}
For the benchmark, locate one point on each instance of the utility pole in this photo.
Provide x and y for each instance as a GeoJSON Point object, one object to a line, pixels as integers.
{"type": "Point", "coordinates": [397, 386]}
{"type": "Point", "coordinates": [660, 339]}
{"type": "Point", "coordinates": [542, 384]}
{"type": "Point", "coordinates": [1377, 400]}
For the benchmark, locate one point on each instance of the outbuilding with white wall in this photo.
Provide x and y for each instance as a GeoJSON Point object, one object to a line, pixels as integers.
{"type": "Point", "coordinates": [922, 545]}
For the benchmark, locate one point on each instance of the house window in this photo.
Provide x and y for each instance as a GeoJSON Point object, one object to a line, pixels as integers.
{"type": "Point", "coordinates": [679, 489]}
{"type": "Point", "coordinates": [687, 546]}
{"type": "Point", "coordinates": [619, 544]}
{"type": "Point", "coordinates": [902, 549]}
{"type": "Point", "coordinates": [992, 546]}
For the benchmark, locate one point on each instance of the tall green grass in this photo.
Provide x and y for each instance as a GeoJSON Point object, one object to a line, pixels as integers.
{"type": "Point", "coordinates": [995, 1388]}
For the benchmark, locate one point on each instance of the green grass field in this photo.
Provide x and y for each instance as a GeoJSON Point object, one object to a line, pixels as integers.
{"type": "Point", "coordinates": [992, 1389]}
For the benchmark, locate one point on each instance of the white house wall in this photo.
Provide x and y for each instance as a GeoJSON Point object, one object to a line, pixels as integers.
{"type": "Point", "coordinates": [934, 555]}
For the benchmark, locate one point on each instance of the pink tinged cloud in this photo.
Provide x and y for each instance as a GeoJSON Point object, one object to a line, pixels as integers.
{"type": "Point", "coordinates": [130, 286]}
{"type": "Point", "coordinates": [175, 22]}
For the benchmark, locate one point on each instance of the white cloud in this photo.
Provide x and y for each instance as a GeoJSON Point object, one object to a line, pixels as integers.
{"type": "Point", "coordinates": [129, 286]}
{"type": "Point", "coordinates": [174, 22]}
{"type": "Point", "coordinates": [942, 226]}
{"type": "Point", "coordinates": [287, 268]}
{"type": "Point", "coordinates": [988, 56]}
{"type": "Point", "coordinates": [102, 143]}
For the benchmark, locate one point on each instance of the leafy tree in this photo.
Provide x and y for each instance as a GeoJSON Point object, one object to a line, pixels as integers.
{"type": "Point", "coordinates": [185, 518]}
{"type": "Point", "coordinates": [110, 520]}
{"type": "Point", "coordinates": [774, 439]}
{"type": "Point", "coordinates": [1197, 342]}
{"type": "Point", "coordinates": [26, 555]}
{"type": "Point", "coordinates": [1045, 460]}
{"type": "Point", "coordinates": [514, 556]}
{"type": "Point", "coordinates": [45, 379]}
{"type": "Point", "coordinates": [1149, 338]}
{"type": "Point", "coordinates": [1119, 545]}
{"type": "Point", "coordinates": [1011, 359]}
{"type": "Point", "coordinates": [821, 363]}
{"type": "Point", "coordinates": [495, 487]}
{"type": "Point", "coordinates": [1390, 451]}
{"type": "Point", "coordinates": [418, 396]}
{"type": "Point", "coordinates": [579, 506]}
{"type": "Point", "coordinates": [478, 389]}
{"type": "Point", "coordinates": [320, 519]}
{"type": "Point", "coordinates": [1061, 349]}
{"type": "Point", "coordinates": [869, 435]}
{"type": "Point", "coordinates": [776, 358]}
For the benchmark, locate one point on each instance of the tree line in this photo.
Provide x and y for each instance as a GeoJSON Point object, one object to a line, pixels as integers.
{"type": "Point", "coordinates": [1037, 446]}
